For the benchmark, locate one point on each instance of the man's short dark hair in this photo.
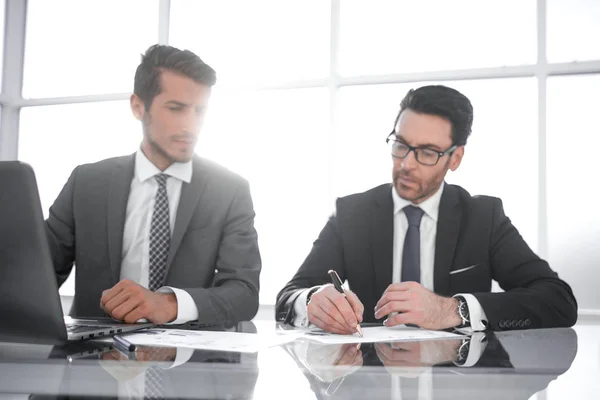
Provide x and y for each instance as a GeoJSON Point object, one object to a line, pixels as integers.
{"type": "Point", "coordinates": [444, 102]}
{"type": "Point", "coordinates": [162, 57]}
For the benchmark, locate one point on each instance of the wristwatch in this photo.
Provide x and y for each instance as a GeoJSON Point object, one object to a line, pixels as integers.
{"type": "Point", "coordinates": [463, 351]}
{"type": "Point", "coordinates": [312, 291]}
{"type": "Point", "coordinates": [463, 312]}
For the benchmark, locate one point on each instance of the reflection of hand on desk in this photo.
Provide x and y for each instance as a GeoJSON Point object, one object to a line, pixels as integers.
{"type": "Point", "coordinates": [327, 362]}
{"type": "Point", "coordinates": [412, 358]}
{"type": "Point", "coordinates": [403, 357]}
{"type": "Point", "coordinates": [332, 361]}
{"type": "Point", "coordinates": [126, 366]}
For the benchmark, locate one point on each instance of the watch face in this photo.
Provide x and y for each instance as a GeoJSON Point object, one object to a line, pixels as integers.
{"type": "Point", "coordinates": [464, 310]}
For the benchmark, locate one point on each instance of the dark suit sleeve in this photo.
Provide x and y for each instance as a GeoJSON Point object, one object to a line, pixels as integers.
{"type": "Point", "coordinates": [534, 296]}
{"type": "Point", "coordinates": [325, 254]}
{"type": "Point", "coordinates": [234, 294]}
{"type": "Point", "coordinates": [60, 230]}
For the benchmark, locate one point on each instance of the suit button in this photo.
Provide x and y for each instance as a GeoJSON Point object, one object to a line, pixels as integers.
{"type": "Point", "coordinates": [501, 324]}
{"type": "Point", "coordinates": [515, 323]}
{"type": "Point", "coordinates": [527, 322]}
{"type": "Point", "coordinates": [521, 323]}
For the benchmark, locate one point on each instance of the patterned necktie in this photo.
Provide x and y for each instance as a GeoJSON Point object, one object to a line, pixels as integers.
{"type": "Point", "coordinates": [160, 235]}
{"type": "Point", "coordinates": [411, 255]}
{"type": "Point", "coordinates": [154, 388]}
{"type": "Point", "coordinates": [156, 378]}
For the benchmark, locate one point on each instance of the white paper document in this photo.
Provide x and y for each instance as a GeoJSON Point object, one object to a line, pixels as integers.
{"type": "Point", "coordinates": [207, 340]}
{"type": "Point", "coordinates": [381, 334]}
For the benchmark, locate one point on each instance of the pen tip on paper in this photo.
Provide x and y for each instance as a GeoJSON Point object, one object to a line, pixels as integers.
{"type": "Point", "coordinates": [359, 330]}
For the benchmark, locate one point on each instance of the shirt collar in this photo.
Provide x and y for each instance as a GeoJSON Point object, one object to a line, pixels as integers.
{"type": "Point", "coordinates": [431, 206]}
{"type": "Point", "coordinates": [144, 169]}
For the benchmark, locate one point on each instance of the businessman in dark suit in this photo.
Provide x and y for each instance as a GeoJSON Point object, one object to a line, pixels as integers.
{"type": "Point", "coordinates": [424, 252]}
{"type": "Point", "coordinates": [162, 234]}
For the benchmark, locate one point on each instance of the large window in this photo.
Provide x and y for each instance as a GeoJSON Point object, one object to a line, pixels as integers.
{"type": "Point", "coordinates": [78, 47]}
{"type": "Point", "coordinates": [307, 92]}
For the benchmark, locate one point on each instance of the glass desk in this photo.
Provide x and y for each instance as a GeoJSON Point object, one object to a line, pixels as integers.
{"type": "Point", "coordinates": [538, 364]}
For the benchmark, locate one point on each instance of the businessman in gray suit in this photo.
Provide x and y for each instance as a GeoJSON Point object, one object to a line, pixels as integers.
{"type": "Point", "coordinates": [162, 234]}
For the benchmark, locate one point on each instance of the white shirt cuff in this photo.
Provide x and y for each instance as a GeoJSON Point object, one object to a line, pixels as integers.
{"type": "Point", "coordinates": [477, 346]}
{"type": "Point", "coordinates": [301, 309]}
{"type": "Point", "coordinates": [186, 307]}
{"type": "Point", "coordinates": [479, 321]}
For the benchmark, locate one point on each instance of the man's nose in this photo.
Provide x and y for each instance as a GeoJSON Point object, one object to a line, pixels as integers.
{"type": "Point", "coordinates": [410, 161]}
{"type": "Point", "coordinates": [191, 122]}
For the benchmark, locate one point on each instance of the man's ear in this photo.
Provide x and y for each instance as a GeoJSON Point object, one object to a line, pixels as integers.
{"type": "Point", "coordinates": [456, 158]}
{"type": "Point", "coordinates": [137, 106]}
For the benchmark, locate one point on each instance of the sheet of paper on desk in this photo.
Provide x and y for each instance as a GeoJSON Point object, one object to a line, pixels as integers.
{"type": "Point", "coordinates": [381, 334]}
{"type": "Point", "coordinates": [207, 340]}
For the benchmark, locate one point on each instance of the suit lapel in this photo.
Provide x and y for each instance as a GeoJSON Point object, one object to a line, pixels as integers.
{"type": "Point", "coordinates": [382, 236]}
{"type": "Point", "coordinates": [118, 196]}
{"type": "Point", "coordinates": [448, 227]}
{"type": "Point", "coordinates": [190, 196]}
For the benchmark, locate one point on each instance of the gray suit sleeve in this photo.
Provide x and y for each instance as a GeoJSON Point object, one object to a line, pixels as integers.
{"type": "Point", "coordinates": [60, 230]}
{"type": "Point", "coordinates": [233, 296]}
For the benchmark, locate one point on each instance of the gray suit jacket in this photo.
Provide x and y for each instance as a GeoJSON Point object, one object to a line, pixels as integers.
{"type": "Point", "coordinates": [214, 252]}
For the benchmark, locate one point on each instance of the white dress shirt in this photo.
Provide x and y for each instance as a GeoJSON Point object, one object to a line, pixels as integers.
{"type": "Point", "coordinates": [136, 236]}
{"type": "Point", "coordinates": [428, 230]}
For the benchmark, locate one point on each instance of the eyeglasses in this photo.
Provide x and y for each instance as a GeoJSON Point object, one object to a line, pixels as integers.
{"type": "Point", "coordinates": [423, 155]}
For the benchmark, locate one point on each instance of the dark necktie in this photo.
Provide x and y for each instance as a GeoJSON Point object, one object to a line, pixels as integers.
{"type": "Point", "coordinates": [160, 235]}
{"type": "Point", "coordinates": [411, 255]}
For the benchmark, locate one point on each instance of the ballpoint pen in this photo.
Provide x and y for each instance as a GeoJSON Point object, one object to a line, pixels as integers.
{"type": "Point", "coordinates": [337, 283]}
{"type": "Point", "coordinates": [124, 344]}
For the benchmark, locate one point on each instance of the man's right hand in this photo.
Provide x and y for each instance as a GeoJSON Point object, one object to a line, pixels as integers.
{"type": "Point", "coordinates": [331, 311]}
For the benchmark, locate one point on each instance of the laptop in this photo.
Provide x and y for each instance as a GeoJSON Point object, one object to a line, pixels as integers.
{"type": "Point", "coordinates": [30, 307]}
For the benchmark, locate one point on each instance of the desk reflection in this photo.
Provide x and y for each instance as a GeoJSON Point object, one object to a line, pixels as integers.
{"type": "Point", "coordinates": [484, 365]}
{"type": "Point", "coordinates": [98, 369]}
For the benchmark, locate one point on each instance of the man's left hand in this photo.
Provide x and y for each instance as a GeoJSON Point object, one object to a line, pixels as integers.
{"type": "Point", "coordinates": [418, 306]}
{"type": "Point", "coordinates": [127, 301]}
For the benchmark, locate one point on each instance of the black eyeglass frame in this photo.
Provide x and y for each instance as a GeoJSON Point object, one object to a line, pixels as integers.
{"type": "Point", "coordinates": [440, 154]}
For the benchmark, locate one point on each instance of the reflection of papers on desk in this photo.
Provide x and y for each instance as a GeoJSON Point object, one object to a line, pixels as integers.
{"type": "Point", "coordinates": [208, 340]}
{"type": "Point", "coordinates": [380, 334]}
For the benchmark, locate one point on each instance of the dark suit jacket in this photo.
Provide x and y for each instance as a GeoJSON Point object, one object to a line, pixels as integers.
{"type": "Point", "coordinates": [471, 230]}
{"type": "Point", "coordinates": [214, 252]}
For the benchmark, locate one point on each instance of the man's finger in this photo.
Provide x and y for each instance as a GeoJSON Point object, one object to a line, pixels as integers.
{"type": "Point", "coordinates": [315, 319]}
{"type": "Point", "coordinates": [391, 307]}
{"type": "Point", "coordinates": [356, 305]}
{"type": "Point", "coordinates": [135, 315]}
{"type": "Point", "coordinates": [388, 296]}
{"type": "Point", "coordinates": [345, 311]}
{"type": "Point", "coordinates": [116, 301]}
{"type": "Point", "coordinates": [121, 311]}
{"type": "Point", "coordinates": [109, 294]}
{"type": "Point", "coordinates": [330, 322]}
{"type": "Point", "coordinates": [400, 319]}
{"type": "Point", "coordinates": [329, 308]}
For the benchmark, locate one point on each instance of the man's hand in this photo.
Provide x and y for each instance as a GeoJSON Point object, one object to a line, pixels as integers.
{"type": "Point", "coordinates": [418, 306]}
{"type": "Point", "coordinates": [127, 301]}
{"type": "Point", "coordinates": [331, 311]}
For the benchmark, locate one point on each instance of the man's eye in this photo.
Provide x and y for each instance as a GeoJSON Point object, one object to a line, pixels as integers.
{"type": "Point", "coordinates": [428, 153]}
